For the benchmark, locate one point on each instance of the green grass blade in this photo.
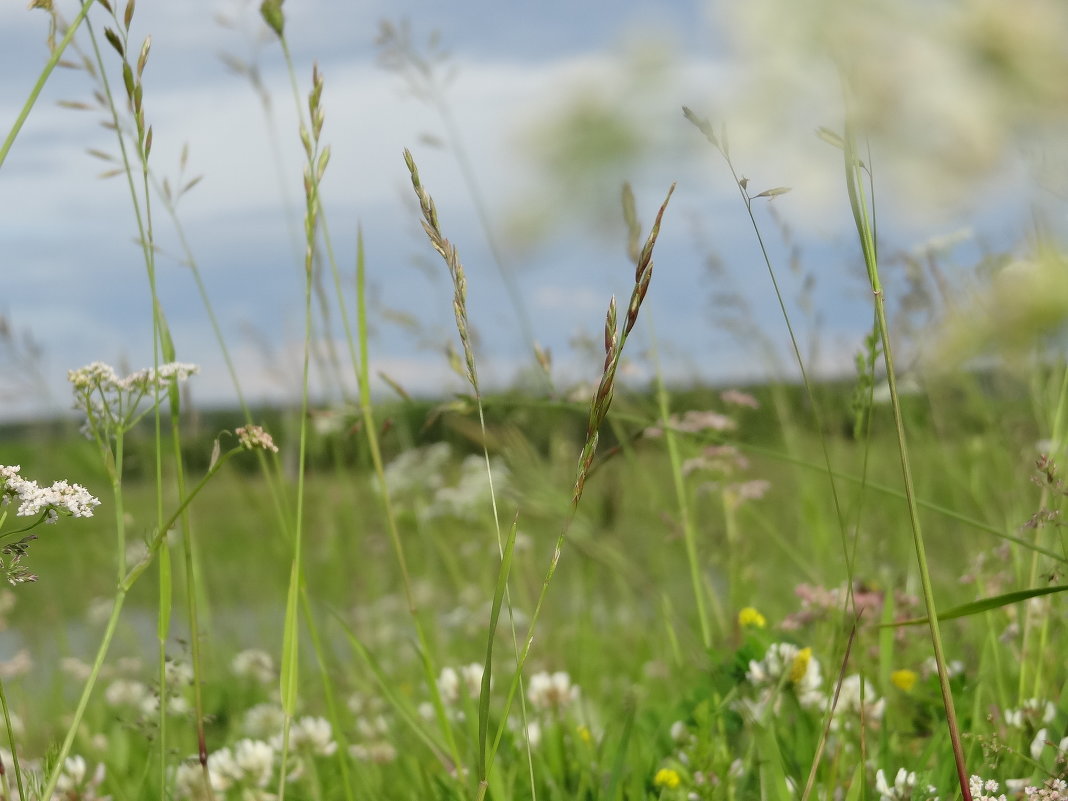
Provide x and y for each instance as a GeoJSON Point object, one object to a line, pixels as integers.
{"type": "Point", "coordinates": [290, 645]}
{"type": "Point", "coordinates": [495, 613]}
{"type": "Point", "coordinates": [984, 605]}
{"type": "Point", "coordinates": [388, 687]}
{"type": "Point", "coordinates": [42, 79]}
{"type": "Point", "coordinates": [619, 762]}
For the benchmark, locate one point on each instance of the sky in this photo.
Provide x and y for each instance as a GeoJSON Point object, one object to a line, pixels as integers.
{"type": "Point", "coordinates": [533, 95]}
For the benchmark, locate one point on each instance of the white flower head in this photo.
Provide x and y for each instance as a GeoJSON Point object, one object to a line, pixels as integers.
{"type": "Point", "coordinates": [850, 701]}
{"type": "Point", "coordinates": [1033, 712]}
{"type": "Point", "coordinates": [370, 728]}
{"type": "Point", "coordinates": [61, 497]}
{"type": "Point", "coordinates": [552, 690]}
{"type": "Point", "coordinates": [255, 437]}
{"type": "Point", "coordinates": [797, 666]}
{"type": "Point", "coordinates": [680, 733]}
{"type": "Point", "coordinates": [111, 403]}
{"type": "Point", "coordinates": [126, 692]}
{"type": "Point", "coordinates": [314, 735]}
{"type": "Point", "coordinates": [254, 664]}
{"type": "Point", "coordinates": [264, 720]}
{"type": "Point", "coordinates": [901, 790]}
{"type": "Point", "coordinates": [75, 781]}
{"type": "Point", "coordinates": [466, 680]}
{"type": "Point", "coordinates": [255, 759]}
{"type": "Point", "coordinates": [533, 733]}
{"type": "Point", "coordinates": [178, 673]}
{"type": "Point", "coordinates": [223, 771]}
{"type": "Point", "coordinates": [983, 790]}
{"type": "Point", "coordinates": [1038, 744]}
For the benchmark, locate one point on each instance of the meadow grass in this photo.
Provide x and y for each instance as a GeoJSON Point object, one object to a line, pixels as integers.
{"type": "Point", "coordinates": [645, 593]}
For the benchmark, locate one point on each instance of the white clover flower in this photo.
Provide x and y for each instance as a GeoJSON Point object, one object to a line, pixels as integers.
{"type": "Point", "coordinates": [223, 771]}
{"type": "Point", "coordinates": [904, 781]}
{"type": "Point", "coordinates": [178, 673]}
{"type": "Point", "coordinates": [449, 685]}
{"type": "Point", "coordinates": [370, 728]}
{"type": "Point", "coordinates": [417, 470]}
{"type": "Point", "coordinates": [533, 733]}
{"type": "Point", "coordinates": [178, 706]}
{"type": "Point", "coordinates": [382, 752]}
{"type": "Point", "coordinates": [313, 734]}
{"type": "Point", "coordinates": [472, 678]}
{"type": "Point", "coordinates": [75, 668]}
{"type": "Point", "coordinates": [551, 691]}
{"type": "Point", "coordinates": [469, 496]}
{"type": "Point", "coordinates": [849, 699]}
{"type": "Point", "coordinates": [1038, 744]}
{"type": "Point", "coordinates": [798, 666]}
{"type": "Point", "coordinates": [1033, 712]}
{"type": "Point", "coordinates": [468, 680]}
{"type": "Point", "coordinates": [73, 774]}
{"type": "Point", "coordinates": [188, 781]}
{"type": "Point", "coordinates": [379, 752]}
{"type": "Point", "coordinates": [255, 759]}
{"type": "Point", "coordinates": [74, 780]}
{"type": "Point", "coordinates": [126, 692]}
{"type": "Point", "coordinates": [254, 663]}
{"type": "Point", "coordinates": [149, 706]}
{"type": "Point", "coordinates": [264, 720]}
{"type": "Point", "coordinates": [680, 733]}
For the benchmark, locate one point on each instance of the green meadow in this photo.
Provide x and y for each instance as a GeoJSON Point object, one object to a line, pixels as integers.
{"type": "Point", "coordinates": [831, 589]}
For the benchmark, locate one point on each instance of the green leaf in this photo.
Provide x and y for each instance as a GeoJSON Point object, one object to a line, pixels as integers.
{"type": "Point", "coordinates": [985, 605]}
{"type": "Point", "coordinates": [387, 685]}
{"type": "Point", "coordinates": [769, 759]}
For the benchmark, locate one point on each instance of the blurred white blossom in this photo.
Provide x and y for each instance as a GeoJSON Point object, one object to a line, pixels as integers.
{"type": "Point", "coordinates": [551, 691]}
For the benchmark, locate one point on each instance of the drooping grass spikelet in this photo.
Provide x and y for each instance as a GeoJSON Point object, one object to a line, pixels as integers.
{"type": "Point", "coordinates": [448, 252]}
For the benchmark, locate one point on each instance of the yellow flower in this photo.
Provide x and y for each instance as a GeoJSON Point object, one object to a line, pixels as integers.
{"type": "Point", "coordinates": [751, 617]}
{"type": "Point", "coordinates": [800, 666]}
{"type": "Point", "coordinates": [666, 777]}
{"type": "Point", "coordinates": [584, 734]}
{"type": "Point", "coordinates": [904, 679]}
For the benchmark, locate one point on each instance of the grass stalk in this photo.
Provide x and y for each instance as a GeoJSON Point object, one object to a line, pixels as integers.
{"type": "Point", "coordinates": [865, 230]}
{"type": "Point", "coordinates": [448, 252]}
{"type": "Point", "coordinates": [615, 339]}
{"type": "Point", "coordinates": [42, 79]}
{"type": "Point", "coordinates": [682, 501]}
